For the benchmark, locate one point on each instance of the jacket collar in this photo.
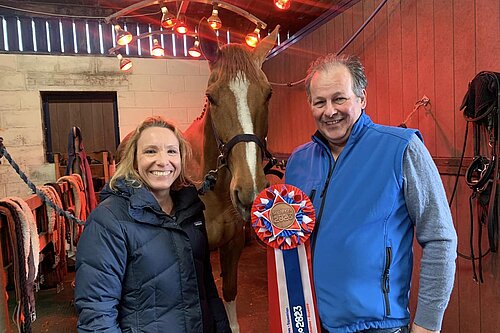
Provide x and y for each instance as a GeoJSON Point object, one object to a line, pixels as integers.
{"type": "Point", "coordinates": [358, 129]}
{"type": "Point", "coordinates": [143, 206]}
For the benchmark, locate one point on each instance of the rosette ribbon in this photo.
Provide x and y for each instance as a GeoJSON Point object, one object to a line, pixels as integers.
{"type": "Point", "coordinates": [283, 217]}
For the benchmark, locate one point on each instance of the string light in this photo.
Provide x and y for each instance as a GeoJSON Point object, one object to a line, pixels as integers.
{"type": "Point", "coordinates": [194, 51]}
{"type": "Point", "coordinates": [252, 39]}
{"type": "Point", "coordinates": [122, 37]}
{"type": "Point", "coordinates": [125, 64]}
{"type": "Point", "coordinates": [168, 20]}
{"type": "Point", "coordinates": [174, 23]}
{"type": "Point", "coordinates": [181, 27]}
{"type": "Point", "coordinates": [214, 21]}
{"type": "Point", "coordinates": [282, 4]}
{"type": "Point", "coordinates": [157, 50]}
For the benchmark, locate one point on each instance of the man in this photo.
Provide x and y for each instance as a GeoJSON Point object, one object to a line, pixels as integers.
{"type": "Point", "coordinates": [371, 186]}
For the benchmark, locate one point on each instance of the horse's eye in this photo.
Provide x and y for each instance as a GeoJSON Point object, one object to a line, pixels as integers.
{"type": "Point", "coordinates": [269, 95]}
{"type": "Point", "coordinates": [211, 99]}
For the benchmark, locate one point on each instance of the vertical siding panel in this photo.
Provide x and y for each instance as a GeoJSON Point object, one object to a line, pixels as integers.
{"type": "Point", "coordinates": [274, 74]}
{"type": "Point", "coordinates": [330, 30]}
{"type": "Point", "coordinates": [81, 37]}
{"type": "Point", "coordinates": [98, 118]}
{"type": "Point", "coordinates": [425, 58]}
{"type": "Point", "coordinates": [357, 22]}
{"type": "Point", "coordinates": [298, 98]}
{"type": "Point", "coordinates": [95, 47]}
{"type": "Point", "coordinates": [369, 61]}
{"type": "Point", "coordinates": [347, 30]}
{"type": "Point", "coordinates": [286, 107]}
{"type": "Point", "coordinates": [465, 63]}
{"type": "Point", "coordinates": [395, 102]}
{"type": "Point", "coordinates": [146, 45]}
{"type": "Point", "coordinates": [54, 36]}
{"type": "Point", "coordinates": [13, 39]}
{"type": "Point", "coordinates": [408, 54]}
{"type": "Point", "coordinates": [338, 36]}
{"type": "Point", "coordinates": [464, 70]}
{"type": "Point", "coordinates": [67, 33]}
{"type": "Point", "coordinates": [443, 106]}
{"type": "Point", "coordinates": [487, 35]}
{"type": "Point", "coordinates": [55, 128]}
{"type": "Point", "coordinates": [132, 47]}
{"type": "Point", "coordinates": [64, 112]}
{"type": "Point", "coordinates": [90, 142]}
{"type": "Point", "coordinates": [75, 116]}
{"type": "Point", "coordinates": [319, 41]}
{"type": "Point", "coordinates": [107, 36]}
{"type": "Point", "coordinates": [381, 66]}
{"type": "Point", "coordinates": [41, 35]}
{"type": "Point", "coordinates": [27, 34]}
{"type": "Point", "coordinates": [108, 116]}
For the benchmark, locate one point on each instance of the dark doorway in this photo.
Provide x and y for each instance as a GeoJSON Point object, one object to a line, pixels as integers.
{"type": "Point", "coordinates": [95, 113]}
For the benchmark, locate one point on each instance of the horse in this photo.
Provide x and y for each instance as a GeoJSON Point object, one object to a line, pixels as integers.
{"type": "Point", "coordinates": [228, 144]}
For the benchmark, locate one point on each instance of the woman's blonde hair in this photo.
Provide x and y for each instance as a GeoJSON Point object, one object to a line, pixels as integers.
{"type": "Point", "coordinates": [127, 167]}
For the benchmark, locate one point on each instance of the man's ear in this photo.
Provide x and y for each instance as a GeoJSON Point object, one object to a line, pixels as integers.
{"type": "Point", "coordinates": [363, 99]}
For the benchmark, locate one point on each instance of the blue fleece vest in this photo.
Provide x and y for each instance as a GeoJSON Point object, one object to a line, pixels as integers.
{"type": "Point", "coordinates": [362, 246]}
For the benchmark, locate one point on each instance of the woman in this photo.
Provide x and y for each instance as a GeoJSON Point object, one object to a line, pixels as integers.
{"type": "Point", "coordinates": [143, 263]}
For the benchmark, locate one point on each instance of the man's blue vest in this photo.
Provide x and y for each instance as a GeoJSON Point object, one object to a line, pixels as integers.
{"type": "Point", "coordinates": [362, 244]}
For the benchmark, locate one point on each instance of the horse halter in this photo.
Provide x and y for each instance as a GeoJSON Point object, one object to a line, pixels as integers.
{"type": "Point", "coordinates": [225, 149]}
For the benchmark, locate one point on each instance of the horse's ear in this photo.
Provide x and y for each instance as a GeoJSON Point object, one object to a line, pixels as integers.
{"type": "Point", "coordinates": [209, 43]}
{"type": "Point", "coordinates": [262, 49]}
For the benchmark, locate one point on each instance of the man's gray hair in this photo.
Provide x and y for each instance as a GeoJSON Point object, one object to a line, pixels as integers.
{"type": "Point", "coordinates": [326, 62]}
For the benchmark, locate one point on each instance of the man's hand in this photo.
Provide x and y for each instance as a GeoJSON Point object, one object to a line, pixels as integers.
{"type": "Point", "coordinates": [418, 329]}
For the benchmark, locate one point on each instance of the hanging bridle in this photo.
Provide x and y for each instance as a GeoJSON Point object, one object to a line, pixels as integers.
{"type": "Point", "coordinates": [482, 175]}
{"type": "Point", "coordinates": [224, 150]}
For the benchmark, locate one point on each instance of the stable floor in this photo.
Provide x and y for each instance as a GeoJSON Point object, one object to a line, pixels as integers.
{"type": "Point", "coordinates": [56, 313]}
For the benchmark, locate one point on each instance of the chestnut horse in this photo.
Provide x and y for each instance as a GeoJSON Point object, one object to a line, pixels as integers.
{"type": "Point", "coordinates": [228, 141]}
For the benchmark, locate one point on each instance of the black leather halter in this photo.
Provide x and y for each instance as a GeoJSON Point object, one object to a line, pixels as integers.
{"type": "Point", "coordinates": [225, 149]}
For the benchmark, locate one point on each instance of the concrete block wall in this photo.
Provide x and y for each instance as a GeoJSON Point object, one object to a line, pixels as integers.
{"type": "Point", "coordinates": [173, 88]}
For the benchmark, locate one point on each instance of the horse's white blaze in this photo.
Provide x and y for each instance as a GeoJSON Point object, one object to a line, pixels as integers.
{"type": "Point", "coordinates": [239, 87]}
{"type": "Point", "coordinates": [231, 316]}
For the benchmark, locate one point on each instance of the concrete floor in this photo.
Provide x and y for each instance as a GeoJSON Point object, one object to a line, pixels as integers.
{"type": "Point", "coordinates": [56, 314]}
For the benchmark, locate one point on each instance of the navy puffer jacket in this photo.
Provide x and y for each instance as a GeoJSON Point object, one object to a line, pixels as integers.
{"type": "Point", "coordinates": [139, 269]}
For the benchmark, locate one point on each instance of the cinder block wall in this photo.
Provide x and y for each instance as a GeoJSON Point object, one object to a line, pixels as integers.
{"type": "Point", "coordinates": [173, 88]}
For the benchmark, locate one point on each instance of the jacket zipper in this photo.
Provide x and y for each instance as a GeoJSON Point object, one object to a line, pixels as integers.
{"type": "Point", "coordinates": [320, 214]}
{"type": "Point", "coordinates": [386, 286]}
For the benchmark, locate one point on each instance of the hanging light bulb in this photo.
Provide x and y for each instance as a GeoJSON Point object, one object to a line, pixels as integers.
{"type": "Point", "coordinates": [194, 51]}
{"type": "Point", "coordinates": [157, 50]}
{"type": "Point", "coordinates": [168, 20]}
{"type": "Point", "coordinates": [214, 20]}
{"type": "Point", "coordinates": [122, 37]}
{"type": "Point", "coordinates": [181, 27]}
{"type": "Point", "coordinates": [253, 38]}
{"type": "Point", "coordinates": [283, 4]}
{"type": "Point", "coordinates": [125, 64]}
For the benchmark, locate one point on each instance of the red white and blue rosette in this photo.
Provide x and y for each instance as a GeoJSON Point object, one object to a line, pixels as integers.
{"type": "Point", "coordinates": [283, 217]}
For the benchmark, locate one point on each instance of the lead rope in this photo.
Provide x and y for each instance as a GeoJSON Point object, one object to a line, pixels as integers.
{"type": "Point", "coordinates": [32, 186]}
